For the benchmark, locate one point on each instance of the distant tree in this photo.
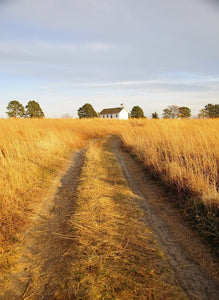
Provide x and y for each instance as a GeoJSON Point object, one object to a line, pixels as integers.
{"type": "Point", "coordinates": [184, 112]}
{"type": "Point", "coordinates": [166, 113]}
{"type": "Point", "coordinates": [87, 111]}
{"type": "Point", "coordinates": [15, 109]}
{"type": "Point", "coordinates": [33, 110]}
{"type": "Point", "coordinates": [81, 113]}
{"type": "Point", "coordinates": [216, 110]}
{"type": "Point", "coordinates": [137, 112]}
{"type": "Point", "coordinates": [172, 112]}
{"type": "Point", "coordinates": [203, 114]}
{"type": "Point", "coordinates": [212, 110]}
{"type": "Point", "coordinates": [155, 115]}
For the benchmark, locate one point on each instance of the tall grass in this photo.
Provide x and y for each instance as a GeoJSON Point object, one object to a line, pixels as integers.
{"type": "Point", "coordinates": [184, 153]}
{"type": "Point", "coordinates": [31, 152]}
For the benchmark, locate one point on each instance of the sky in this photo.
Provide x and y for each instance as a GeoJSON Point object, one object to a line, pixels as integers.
{"type": "Point", "coordinates": [64, 54]}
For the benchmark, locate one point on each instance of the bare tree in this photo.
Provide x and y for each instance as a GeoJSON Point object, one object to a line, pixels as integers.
{"type": "Point", "coordinates": [172, 112]}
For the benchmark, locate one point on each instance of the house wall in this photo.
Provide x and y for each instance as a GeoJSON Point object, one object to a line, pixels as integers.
{"type": "Point", "coordinates": [123, 115]}
{"type": "Point", "coordinates": [114, 116]}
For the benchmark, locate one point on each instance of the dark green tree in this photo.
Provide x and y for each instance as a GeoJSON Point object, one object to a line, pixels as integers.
{"type": "Point", "coordinates": [137, 112]}
{"type": "Point", "coordinates": [212, 110]}
{"type": "Point", "coordinates": [33, 110]}
{"type": "Point", "coordinates": [15, 109]}
{"type": "Point", "coordinates": [203, 114]}
{"type": "Point", "coordinates": [87, 111]}
{"type": "Point", "coordinates": [81, 113]}
{"type": "Point", "coordinates": [172, 112]}
{"type": "Point", "coordinates": [184, 112]}
{"type": "Point", "coordinates": [166, 113]}
{"type": "Point", "coordinates": [155, 115]}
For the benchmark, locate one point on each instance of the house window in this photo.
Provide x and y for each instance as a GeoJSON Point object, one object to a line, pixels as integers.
{"type": "Point", "coordinates": [107, 116]}
{"type": "Point", "coordinates": [103, 116]}
{"type": "Point", "coordinates": [111, 116]}
{"type": "Point", "coordinates": [116, 116]}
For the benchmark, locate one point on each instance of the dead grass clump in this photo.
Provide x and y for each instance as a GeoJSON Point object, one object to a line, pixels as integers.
{"type": "Point", "coordinates": [114, 255]}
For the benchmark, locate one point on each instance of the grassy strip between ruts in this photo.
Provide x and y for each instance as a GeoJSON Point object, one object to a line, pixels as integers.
{"type": "Point", "coordinates": [114, 253]}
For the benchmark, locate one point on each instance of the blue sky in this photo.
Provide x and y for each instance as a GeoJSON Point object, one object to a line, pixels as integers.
{"type": "Point", "coordinates": [105, 52]}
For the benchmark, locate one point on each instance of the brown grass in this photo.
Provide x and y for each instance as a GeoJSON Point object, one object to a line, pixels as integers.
{"type": "Point", "coordinates": [114, 255]}
{"type": "Point", "coordinates": [184, 153]}
{"type": "Point", "coordinates": [31, 152]}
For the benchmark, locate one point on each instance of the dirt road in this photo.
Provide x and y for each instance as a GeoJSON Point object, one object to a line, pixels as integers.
{"type": "Point", "coordinates": [44, 251]}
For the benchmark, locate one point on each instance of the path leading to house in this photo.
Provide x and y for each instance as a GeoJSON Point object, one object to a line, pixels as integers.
{"type": "Point", "coordinates": [106, 231]}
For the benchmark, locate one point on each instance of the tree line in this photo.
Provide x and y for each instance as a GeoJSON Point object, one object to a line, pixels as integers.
{"type": "Point", "coordinates": [171, 112]}
{"type": "Point", "coordinates": [32, 110]}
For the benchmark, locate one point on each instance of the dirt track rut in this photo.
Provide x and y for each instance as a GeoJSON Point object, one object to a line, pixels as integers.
{"type": "Point", "coordinates": [43, 251]}
{"type": "Point", "coordinates": [194, 281]}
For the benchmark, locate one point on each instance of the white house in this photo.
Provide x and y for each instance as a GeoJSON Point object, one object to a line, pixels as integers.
{"type": "Point", "coordinates": [115, 113]}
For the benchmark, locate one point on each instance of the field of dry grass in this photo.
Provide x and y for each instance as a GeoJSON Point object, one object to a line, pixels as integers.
{"type": "Point", "coordinates": [184, 153]}
{"type": "Point", "coordinates": [31, 153]}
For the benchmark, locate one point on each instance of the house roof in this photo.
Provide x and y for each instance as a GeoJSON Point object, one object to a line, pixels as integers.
{"type": "Point", "coordinates": [115, 110]}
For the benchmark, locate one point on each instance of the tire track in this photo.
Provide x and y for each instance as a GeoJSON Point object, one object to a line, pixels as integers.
{"type": "Point", "coordinates": [43, 254]}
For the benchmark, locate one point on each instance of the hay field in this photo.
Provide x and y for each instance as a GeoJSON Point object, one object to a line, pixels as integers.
{"type": "Point", "coordinates": [184, 156]}
{"type": "Point", "coordinates": [31, 153]}
{"type": "Point", "coordinates": [183, 153]}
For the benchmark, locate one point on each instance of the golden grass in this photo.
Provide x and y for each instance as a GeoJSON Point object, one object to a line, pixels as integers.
{"type": "Point", "coordinates": [184, 153]}
{"type": "Point", "coordinates": [31, 152]}
{"type": "Point", "coordinates": [113, 254]}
